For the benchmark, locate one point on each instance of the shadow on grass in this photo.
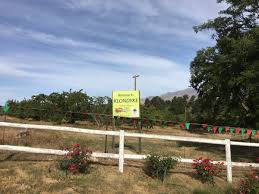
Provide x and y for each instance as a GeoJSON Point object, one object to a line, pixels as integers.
{"type": "Point", "coordinates": [238, 153]}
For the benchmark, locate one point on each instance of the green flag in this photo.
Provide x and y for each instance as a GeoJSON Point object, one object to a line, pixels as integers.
{"type": "Point", "coordinates": [5, 108]}
{"type": "Point", "coordinates": [91, 116]}
{"type": "Point", "coordinates": [232, 129]}
{"type": "Point", "coordinates": [209, 128]}
{"type": "Point", "coordinates": [220, 129]}
{"type": "Point", "coordinates": [243, 130]}
{"type": "Point", "coordinates": [187, 125]}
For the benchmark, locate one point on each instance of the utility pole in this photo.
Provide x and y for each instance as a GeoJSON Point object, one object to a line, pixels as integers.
{"type": "Point", "coordinates": [140, 127]}
{"type": "Point", "coordinates": [135, 81]}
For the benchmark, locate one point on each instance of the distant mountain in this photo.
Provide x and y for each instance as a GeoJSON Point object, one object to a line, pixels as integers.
{"type": "Point", "coordinates": [170, 95]}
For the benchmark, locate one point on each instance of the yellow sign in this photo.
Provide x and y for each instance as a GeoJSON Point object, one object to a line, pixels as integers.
{"type": "Point", "coordinates": [126, 104]}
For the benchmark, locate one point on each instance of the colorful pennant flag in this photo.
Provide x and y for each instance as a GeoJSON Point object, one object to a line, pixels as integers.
{"type": "Point", "coordinates": [227, 129]}
{"type": "Point", "coordinates": [209, 128]}
{"type": "Point", "coordinates": [243, 130]}
{"type": "Point", "coordinates": [248, 132]}
{"type": "Point", "coordinates": [231, 130]}
{"type": "Point", "coordinates": [220, 129]}
{"type": "Point", "coordinates": [169, 123]}
{"type": "Point", "coordinates": [181, 125]}
{"type": "Point", "coordinates": [204, 126]}
{"type": "Point", "coordinates": [187, 126]}
{"type": "Point", "coordinates": [214, 129]}
{"type": "Point", "coordinates": [237, 130]}
{"type": "Point", "coordinates": [5, 108]}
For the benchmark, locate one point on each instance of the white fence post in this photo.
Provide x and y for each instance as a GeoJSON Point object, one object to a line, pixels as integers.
{"type": "Point", "coordinates": [228, 160]}
{"type": "Point", "coordinates": [121, 151]}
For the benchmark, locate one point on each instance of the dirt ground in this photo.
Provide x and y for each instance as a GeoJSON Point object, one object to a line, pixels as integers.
{"type": "Point", "coordinates": [31, 173]}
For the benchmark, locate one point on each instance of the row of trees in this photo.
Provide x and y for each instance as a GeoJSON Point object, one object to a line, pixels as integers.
{"type": "Point", "coordinates": [59, 106]}
{"type": "Point", "coordinates": [67, 106]}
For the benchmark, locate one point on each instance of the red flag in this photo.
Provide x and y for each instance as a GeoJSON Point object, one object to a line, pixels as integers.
{"type": "Point", "coordinates": [204, 126]}
{"type": "Point", "coordinates": [214, 129]}
{"type": "Point", "coordinates": [248, 131]}
{"type": "Point", "coordinates": [257, 133]}
{"type": "Point", "coordinates": [237, 130]}
{"type": "Point", "coordinates": [227, 129]}
{"type": "Point", "coordinates": [181, 125]}
{"type": "Point", "coordinates": [170, 123]}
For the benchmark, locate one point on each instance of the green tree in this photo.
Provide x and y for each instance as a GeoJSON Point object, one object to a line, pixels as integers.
{"type": "Point", "coordinates": [225, 75]}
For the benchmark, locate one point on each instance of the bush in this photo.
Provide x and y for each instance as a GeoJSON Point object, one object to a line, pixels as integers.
{"type": "Point", "coordinates": [77, 160]}
{"type": "Point", "coordinates": [250, 185]}
{"type": "Point", "coordinates": [158, 166]}
{"type": "Point", "coordinates": [206, 169]}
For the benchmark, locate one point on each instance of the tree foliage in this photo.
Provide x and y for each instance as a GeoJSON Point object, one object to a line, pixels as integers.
{"type": "Point", "coordinates": [59, 106]}
{"type": "Point", "coordinates": [226, 74]}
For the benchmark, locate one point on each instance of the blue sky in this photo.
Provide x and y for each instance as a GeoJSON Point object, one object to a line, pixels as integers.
{"type": "Point", "coordinates": [97, 45]}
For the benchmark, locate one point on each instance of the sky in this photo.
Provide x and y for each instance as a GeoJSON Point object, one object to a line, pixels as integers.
{"type": "Point", "coordinates": [98, 45]}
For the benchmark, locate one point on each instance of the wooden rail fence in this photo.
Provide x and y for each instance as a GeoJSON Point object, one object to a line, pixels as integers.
{"type": "Point", "coordinates": [122, 134]}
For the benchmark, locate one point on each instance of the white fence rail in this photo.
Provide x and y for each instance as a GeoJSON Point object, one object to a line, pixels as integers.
{"type": "Point", "coordinates": [121, 156]}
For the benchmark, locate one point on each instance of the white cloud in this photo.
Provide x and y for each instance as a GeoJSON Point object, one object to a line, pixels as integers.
{"type": "Point", "coordinates": [199, 10]}
{"type": "Point", "coordinates": [128, 59]}
{"type": "Point", "coordinates": [65, 73]}
{"type": "Point", "coordinates": [46, 38]}
{"type": "Point", "coordinates": [93, 51]}
{"type": "Point", "coordinates": [143, 7]}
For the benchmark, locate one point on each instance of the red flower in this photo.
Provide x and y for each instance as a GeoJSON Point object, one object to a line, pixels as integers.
{"type": "Point", "coordinates": [206, 168]}
{"type": "Point", "coordinates": [72, 167]}
{"type": "Point", "coordinates": [68, 155]}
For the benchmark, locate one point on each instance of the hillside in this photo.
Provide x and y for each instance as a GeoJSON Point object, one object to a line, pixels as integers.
{"type": "Point", "coordinates": [170, 95]}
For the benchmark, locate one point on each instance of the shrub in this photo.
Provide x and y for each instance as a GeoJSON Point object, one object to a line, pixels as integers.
{"type": "Point", "coordinates": [77, 160]}
{"type": "Point", "coordinates": [158, 166]}
{"type": "Point", "coordinates": [250, 185]}
{"type": "Point", "coordinates": [206, 169]}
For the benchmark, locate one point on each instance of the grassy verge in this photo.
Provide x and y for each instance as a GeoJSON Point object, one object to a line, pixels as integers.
{"type": "Point", "coordinates": [45, 177]}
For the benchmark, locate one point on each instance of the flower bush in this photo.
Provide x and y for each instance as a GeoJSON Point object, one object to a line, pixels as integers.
{"type": "Point", "coordinates": [250, 184]}
{"type": "Point", "coordinates": [77, 160]}
{"type": "Point", "coordinates": [206, 169]}
{"type": "Point", "coordinates": [158, 166]}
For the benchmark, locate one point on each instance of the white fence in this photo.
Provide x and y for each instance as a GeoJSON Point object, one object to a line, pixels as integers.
{"type": "Point", "coordinates": [121, 156]}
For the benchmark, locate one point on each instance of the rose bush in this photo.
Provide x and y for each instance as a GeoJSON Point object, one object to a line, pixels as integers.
{"type": "Point", "coordinates": [77, 160]}
{"type": "Point", "coordinates": [159, 165]}
{"type": "Point", "coordinates": [206, 169]}
{"type": "Point", "coordinates": [250, 184]}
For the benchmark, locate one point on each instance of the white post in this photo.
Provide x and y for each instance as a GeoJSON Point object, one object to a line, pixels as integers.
{"type": "Point", "coordinates": [228, 160]}
{"type": "Point", "coordinates": [121, 151]}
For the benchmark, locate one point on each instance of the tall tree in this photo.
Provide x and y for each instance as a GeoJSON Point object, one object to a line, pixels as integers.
{"type": "Point", "coordinates": [225, 75]}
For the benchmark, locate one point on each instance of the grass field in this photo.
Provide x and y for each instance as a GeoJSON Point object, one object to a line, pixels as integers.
{"type": "Point", "coordinates": [31, 173]}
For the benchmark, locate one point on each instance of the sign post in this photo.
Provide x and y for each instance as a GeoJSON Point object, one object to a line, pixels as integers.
{"type": "Point", "coordinates": [125, 104]}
